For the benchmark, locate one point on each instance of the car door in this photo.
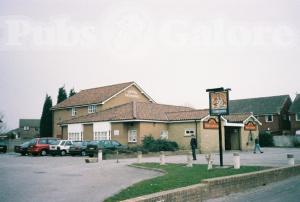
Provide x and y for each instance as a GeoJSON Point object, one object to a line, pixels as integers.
{"type": "Point", "coordinates": [67, 145]}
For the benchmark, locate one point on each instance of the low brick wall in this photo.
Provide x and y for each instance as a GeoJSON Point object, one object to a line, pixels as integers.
{"type": "Point", "coordinates": [216, 187]}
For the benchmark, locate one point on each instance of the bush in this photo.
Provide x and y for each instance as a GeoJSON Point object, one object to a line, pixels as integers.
{"type": "Point", "coordinates": [152, 145]}
{"type": "Point", "coordinates": [266, 139]}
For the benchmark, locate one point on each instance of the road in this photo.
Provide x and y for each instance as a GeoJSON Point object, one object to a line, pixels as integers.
{"type": "Point", "coordinates": [287, 190]}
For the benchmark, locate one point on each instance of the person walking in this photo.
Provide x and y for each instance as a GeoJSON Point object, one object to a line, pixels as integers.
{"type": "Point", "coordinates": [193, 144]}
{"type": "Point", "coordinates": [257, 146]}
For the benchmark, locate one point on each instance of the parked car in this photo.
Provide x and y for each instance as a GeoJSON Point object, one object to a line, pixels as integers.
{"type": "Point", "coordinates": [78, 148]}
{"type": "Point", "coordinates": [23, 148]}
{"type": "Point", "coordinates": [93, 147]}
{"type": "Point", "coordinates": [3, 145]}
{"type": "Point", "coordinates": [60, 147]}
{"type": "Point", "coordinates": [3, 148]}
{"type": "Point", "coordinates": [40, 146]}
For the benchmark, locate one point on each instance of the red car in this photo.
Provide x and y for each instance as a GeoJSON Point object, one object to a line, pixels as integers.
{"type": "Point", "coordinates": [40, 146]}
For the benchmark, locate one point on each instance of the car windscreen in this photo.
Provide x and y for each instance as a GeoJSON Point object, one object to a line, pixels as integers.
{"type": "Point", "coordinates": [93, 143]}
{"type": "Point", "coordinates": [53, 142]}
{"type": "Point", "coordinates": [25, 144]}
{"type": "Point", "coordinates": [77, 143]}
{"type": "Point", "coordinates": [32, 142]}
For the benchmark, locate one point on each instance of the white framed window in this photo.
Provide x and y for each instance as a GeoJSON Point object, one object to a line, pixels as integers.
{"type": "Point", "coordinates": [116, 132]}
{"type": "Point", "coordinates": [26, 128]}
{"type": "Point", "coordinates": [103, 135]}
{"type": "Point", "coordinates": [189, 132]}
{"type": "Point", "coordinates": [164, 134]}
{"type": "Point", "coordinates": [298, 116]}
{"type": "Point", "coordinates": [269, 118]}
{"type": "Point", "coordinates": [73, 111]}
{"type": "Point", "coordinates": [132, 135]}
{"type": "Point", "coordinates": [92, 109]}
{"type": "Point", "coordinates": [75, 136]}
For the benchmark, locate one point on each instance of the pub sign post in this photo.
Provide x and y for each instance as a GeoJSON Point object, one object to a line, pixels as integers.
{"type": "Point", "coordinates": [218, 106]}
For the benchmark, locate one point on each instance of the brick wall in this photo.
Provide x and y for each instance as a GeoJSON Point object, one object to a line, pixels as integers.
{"type": "Point", "coordinates": [217, 187]}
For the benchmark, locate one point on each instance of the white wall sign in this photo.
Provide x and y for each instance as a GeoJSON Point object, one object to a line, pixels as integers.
{"type": "Point", "coordinates": [131, 93]}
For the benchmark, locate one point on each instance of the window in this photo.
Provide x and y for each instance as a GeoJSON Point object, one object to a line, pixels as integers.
{"type": "Point", "coordinates": [189, 132]}
{"type": "Point", "coordinates": [74, 112]}
{"type": "Point", "coordinates": [26, 127]}
{"type": "Point", "coordinates": [103, 135]}
{"type": "Point", "coordinates": [68, 143]}
{"type": "Point", "coordinates": [91, 109]}
{"type": "Point", "coordinates": [116, 132]}
{"type": "Point", "coordinates": [43, 141]}
{"type": "Point", "coordinates": [164, 134]}
{"type": "Point", "coordinates": [62, 143]}
{"type": "Point", "coordinates": [132, 136]}
{"type": "Point", "coordinates": [269, 118]}
{"type": "Point", "coordinates": [114, 143]}
{"type": "Point", "coordinates": [298, 116]}
{"type": "Point", "coordinates": [77, 136]}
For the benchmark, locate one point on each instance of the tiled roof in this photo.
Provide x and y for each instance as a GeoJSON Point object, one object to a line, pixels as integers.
{"type": "Point", "coordinates": [35, 123]}
{"type": "Point", "coordinates": [259, 106]}
{"type": "Point", "coordinates": [152, 112]}
{"type": "Point", "coordinates": [187, 115]}
{"type": "Point", "coordinates": [237, 118]}
{"type": "Point", "coordinates": [93, 95]}
{"type": "Point", "coordinates": [130, 111]}
{"type": "Point", "coordinates": [295, 107]}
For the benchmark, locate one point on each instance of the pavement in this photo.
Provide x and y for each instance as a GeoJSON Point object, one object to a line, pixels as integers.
{"type": "Point", "coordinates": [287, 190]}
{"type": "Point", "coordinates": [65, 179]}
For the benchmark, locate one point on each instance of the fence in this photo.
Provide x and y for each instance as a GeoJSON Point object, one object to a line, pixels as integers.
{"type": "Point", "coordinates": [286, 140]}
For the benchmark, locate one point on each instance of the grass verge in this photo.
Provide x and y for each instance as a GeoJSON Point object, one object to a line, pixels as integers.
{"type": "Point", "coordinates": [177, 175]}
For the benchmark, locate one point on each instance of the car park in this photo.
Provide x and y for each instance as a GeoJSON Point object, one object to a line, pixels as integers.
{"type": "Point", "coordinates": [23, 148]}
{"type": "Point", "coordinates": [60, 147]}
{"type": "Point", "coordinates": [94, 146]}
{"type": "Point", "coordinates": [78, 148]}
{"type": "Point", "coordinates": [40, 146]}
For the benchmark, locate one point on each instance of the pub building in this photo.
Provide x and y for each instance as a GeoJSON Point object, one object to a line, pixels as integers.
{"type": "Point", "coordinates": [124, 112]}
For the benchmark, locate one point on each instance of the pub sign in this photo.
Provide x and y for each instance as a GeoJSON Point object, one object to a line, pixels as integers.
{"type": "Point", "coordinates": [218, 103]}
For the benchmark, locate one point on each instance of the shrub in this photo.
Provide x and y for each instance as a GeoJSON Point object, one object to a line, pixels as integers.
{"type": "Point", "coordinates": [152, 145]}
{"type": "Point", "coordinates": [266, 139]}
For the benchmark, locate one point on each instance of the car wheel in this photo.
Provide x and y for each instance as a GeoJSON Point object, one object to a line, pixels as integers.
{"type": "Point", "coordinates": [23, 154]}
{"type": "Point", "coordinates": [83, 153]}
{"type": "Point", "coordinates": [63, 152]}
{"type": "Point", "coordinates": [43, 153]}
{"type": "Point", "coordinates": [91, 155]}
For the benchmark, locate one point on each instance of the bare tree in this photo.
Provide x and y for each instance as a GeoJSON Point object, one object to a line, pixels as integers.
{"type": "Point", "coordinates": [2, 123]}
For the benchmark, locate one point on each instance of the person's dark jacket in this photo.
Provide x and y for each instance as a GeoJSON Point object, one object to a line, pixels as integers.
{"type": "Point", "coordinates": [193, 142]}
{"type": "Point", "coordinates": [256, 141]}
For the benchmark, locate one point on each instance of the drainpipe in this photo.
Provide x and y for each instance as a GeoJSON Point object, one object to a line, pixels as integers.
{"type": "Point", "coordinates": [196, 134]}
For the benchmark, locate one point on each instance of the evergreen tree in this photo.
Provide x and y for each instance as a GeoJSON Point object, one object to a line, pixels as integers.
{"type": "Point", "coordinates": [72, 92]}
{"type": "Point", "coordinates": [62, 94]}
{"type": "Point", "coordinates": [46, 119]}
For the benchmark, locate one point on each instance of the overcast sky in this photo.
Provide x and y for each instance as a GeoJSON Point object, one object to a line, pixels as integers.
{"type": "Point", "coordinates": [173, 49]}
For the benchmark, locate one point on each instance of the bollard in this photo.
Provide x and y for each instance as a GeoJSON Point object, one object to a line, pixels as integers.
{"type": "Point", "coordinates": [236, 161]}
{"type": "Point", "coordinates": [291, 159]}
{"type": "Point", "coordinates": [139, 160]}
{"type": "Point", "coordinates": [162, 158]}
{"type": "Point", "coordinates": [118, 156]}
{"type": "Point", "coordinates": [210, 159]}
{"type": "Point", "coordinates": [189, 159]}
{"type": "Point", "coordinates": [99, 155]}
